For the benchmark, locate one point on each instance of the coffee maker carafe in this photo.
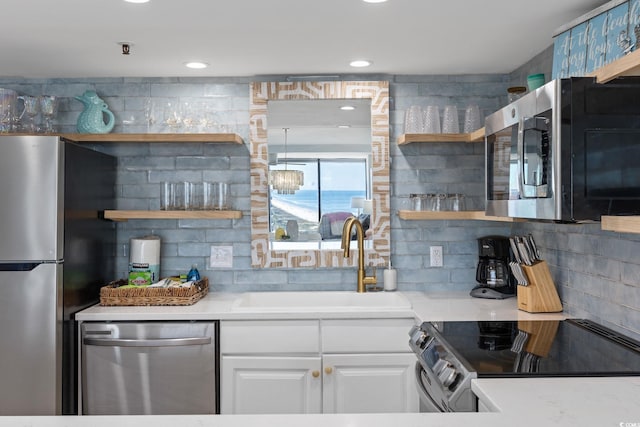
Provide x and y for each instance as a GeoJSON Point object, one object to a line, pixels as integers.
{"type": "Point", "coordinates": [493, 274]}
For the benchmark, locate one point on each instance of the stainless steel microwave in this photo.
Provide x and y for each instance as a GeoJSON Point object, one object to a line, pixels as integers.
{"type": "Point", "coordinates": [568, 151]}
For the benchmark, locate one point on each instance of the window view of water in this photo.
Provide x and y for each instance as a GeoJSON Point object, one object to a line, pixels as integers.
{"type": "Point", "coordinates": [339, 181]}
{"type": "Point", "coordinates": [303, 207]}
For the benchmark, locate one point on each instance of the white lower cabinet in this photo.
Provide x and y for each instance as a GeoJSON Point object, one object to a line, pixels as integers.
{"type": "Point", "coordinates": [271, 385]}
{"type": "Point", "coordinates": [313, 366]}
{"type": "Point", "coordinates": [369, 383]}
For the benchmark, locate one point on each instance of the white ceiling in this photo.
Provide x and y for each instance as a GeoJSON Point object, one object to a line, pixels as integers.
{"type": "Point", "coordinates": [79, 38]}
{"type": "Point", "coordinates": [313, 126]}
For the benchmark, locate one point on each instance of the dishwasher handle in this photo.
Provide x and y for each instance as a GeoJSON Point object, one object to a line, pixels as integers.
{"type": "Point", "coordinates": [165, 342]}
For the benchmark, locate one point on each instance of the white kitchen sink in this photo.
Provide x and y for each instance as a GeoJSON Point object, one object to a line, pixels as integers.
{"type": "Point", "coordinates": [321, 301]}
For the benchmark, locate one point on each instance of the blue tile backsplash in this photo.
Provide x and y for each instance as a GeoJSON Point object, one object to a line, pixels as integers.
{"type": "Point", "coordinates": [596, 272]}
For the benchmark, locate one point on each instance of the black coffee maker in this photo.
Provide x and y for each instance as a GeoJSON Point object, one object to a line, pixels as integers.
{"type": "Point", "coordinates": [493, 273]}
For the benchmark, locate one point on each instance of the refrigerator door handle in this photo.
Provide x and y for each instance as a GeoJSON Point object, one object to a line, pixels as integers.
{"type": "Point", "coordinates": [19, 266]}
{"type": "Point", "coordinates": [167, 342]}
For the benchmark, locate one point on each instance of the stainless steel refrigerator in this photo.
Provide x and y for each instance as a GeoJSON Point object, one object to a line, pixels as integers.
{"type": "Point", "coordinates": [56, 250]}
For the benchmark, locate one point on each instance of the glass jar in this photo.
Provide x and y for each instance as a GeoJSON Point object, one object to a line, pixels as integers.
{"type": "Point", "coordinates": [515, 92]}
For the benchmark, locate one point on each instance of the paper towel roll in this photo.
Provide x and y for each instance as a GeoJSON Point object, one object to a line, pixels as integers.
{"type": "Point", "coordinates": [144, 255]}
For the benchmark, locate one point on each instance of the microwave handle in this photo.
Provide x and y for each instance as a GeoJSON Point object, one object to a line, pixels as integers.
{"type": "Point", "coordinates": [539, 124]}
{"type": "Point", "coordinates": [520, 151]}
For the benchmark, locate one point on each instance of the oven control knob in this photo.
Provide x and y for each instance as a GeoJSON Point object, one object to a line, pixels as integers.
{"type": "Point", "coordinates": [447, 376]}
{"type": "Point", "coordinates": [439, 366]}
{"type": "Point", "coordinates": [419, 337]}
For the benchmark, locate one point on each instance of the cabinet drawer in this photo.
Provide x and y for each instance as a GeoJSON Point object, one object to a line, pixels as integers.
{"type": "Point", "coordinates": [366, 335]}
{"type": "Point", "coordinates": [269, 336]}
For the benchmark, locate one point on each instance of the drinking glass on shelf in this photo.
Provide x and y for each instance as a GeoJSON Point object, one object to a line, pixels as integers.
{"type": "Point", "coordinates": [166, 196]}
{"type": "Point", "coordinates": [210, 121]}
{"type": "Point", "coordinates": [456, 202]}
{"type": "Point", "coordinates": [450, 120]}
{"type": "Point", "coordinates": [437, 201]}
{"type": "Point", "coordinates": [215, 195]}
{"type": "Point", "coordinates": [190, 118]}
{"type": "Point", "coordinates": [413, 119]}
{"type": "Point", "coordinates": [8, 99]}
{"type": "Point", "coordinates": [471, 118]}
{"type": "Point", "coordinates": [150, 111]}
{"type": "Point", "coordinates": [220, 195]}
{"type": "Point", "coordinates": [172, 116]}
{"type": "Point", "coordinates": [418, 202]}
{"type": "Point", "coordinates": [196, 201]}
{"type": "Point", "coordinates": [431, 119]}
{"type": "Point", "coordinates": [181, 196]}
{"type": "Point", "coordinates": [49, 109]}
{"type": "Point", "coordinates": [31, 110]}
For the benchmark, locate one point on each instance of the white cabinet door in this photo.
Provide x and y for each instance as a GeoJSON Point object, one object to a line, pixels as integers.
{"type": "Point", "coordinates": [369, 383]}
{"type": "Point", "coordinates": [270, 385]}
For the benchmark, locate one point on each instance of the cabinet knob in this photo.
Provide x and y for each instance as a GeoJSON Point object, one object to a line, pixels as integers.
{"type": "Point", "coordinates": [328, 370]}
{"type": "Point", "coordinates": [315, 374]}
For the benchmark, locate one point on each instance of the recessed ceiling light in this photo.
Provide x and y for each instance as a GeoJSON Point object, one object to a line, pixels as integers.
{"type": "Point", "coordinates": [347, 108]}
{"type": "Point", "coordinates": [374, 1]}
{"type": "Point", "coordinates": [137, 1]}
{"type": "Point", "coordinates": [196, 65]}
{"type": "Point", "coordinates": [344, 126]}
{"type": "Point", "coordinates": [359, 63]}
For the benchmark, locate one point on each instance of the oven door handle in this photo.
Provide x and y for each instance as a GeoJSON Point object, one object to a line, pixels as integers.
{"type": "Point", "coordinates": [425, 397]}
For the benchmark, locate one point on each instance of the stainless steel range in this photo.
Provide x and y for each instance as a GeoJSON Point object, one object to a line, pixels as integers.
{"type": "Point", "coordinates": [451, 354]}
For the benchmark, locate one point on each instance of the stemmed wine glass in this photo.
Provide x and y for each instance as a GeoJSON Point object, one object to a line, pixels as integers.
{"type": "Point", "coordinates": [48, 108]}
{"type": "Point", "coordinates": [150, 108]}
{"type": "Point", "coordinates": [189, 116]}
{"type": "Point", "coordinates": [173, 115]}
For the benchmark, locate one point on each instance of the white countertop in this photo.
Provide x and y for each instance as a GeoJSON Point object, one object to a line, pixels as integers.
{"type": "Point", "coordinates": [425, 307]}
{"type": "Point", "coordinates": [548, 402]}
{"type": "Point", "coordinates": [563, 401]}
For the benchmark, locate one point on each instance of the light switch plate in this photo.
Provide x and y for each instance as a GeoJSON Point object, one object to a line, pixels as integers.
{"type": "Point", "coordinates": [221, 257]}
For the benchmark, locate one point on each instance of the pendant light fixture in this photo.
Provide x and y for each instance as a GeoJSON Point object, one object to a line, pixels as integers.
{"type": "Point", "coordinates": [286, 181]}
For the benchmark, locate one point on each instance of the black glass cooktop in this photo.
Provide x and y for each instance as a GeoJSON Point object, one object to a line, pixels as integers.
{"type": "Point", "coordinates": [542, 348]}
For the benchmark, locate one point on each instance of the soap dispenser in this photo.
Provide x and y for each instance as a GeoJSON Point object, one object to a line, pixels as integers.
{"type": "Point", "coordinates": [390, 278]}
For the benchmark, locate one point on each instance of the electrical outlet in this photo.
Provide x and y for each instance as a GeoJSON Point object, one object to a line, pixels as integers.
{"type": "Point", "coordinates": [436, 256]}
{"type": "Point", "coordinates": [221, 257]}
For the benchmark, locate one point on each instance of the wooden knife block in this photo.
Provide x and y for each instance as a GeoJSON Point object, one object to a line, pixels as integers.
{"type": "Point", "coordinates": [541, 295]}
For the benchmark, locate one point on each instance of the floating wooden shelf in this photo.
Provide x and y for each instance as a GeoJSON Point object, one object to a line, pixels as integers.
{"type": "Point", "coordinates": [452, 215]}
{"type": "Point", "coordinates": [628, 65]}
{"type": "Point", "coordinates": [155, 137]}
{"type": "Point", "coordinates": [408, 138]}
{"type": "Point", "coordinates": [118, 215]}
{"type": "Point", "coordinates": [621, 224]}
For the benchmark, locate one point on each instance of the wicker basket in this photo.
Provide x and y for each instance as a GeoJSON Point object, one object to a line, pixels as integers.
{"type": "Point", "coordinates": [113, 295]}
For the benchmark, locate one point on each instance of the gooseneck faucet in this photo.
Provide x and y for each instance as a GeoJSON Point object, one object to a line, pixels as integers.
{"type": "Point", "coordinates": [363, 279]}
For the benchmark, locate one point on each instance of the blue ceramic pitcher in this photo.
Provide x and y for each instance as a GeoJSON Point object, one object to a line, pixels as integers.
{"type": "Point", "coordinates": [91, 120]}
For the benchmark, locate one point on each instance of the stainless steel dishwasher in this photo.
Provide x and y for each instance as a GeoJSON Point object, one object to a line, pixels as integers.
{"type": "Point", "coordinates": [142, 368]}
